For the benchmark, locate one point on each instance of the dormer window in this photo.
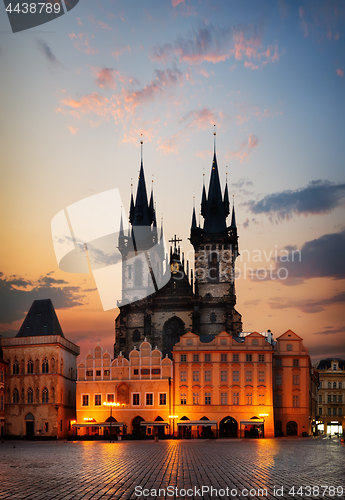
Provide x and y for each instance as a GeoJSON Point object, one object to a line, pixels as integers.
{"type": "Point", "coordinates": [289, 347]}
{"type": "Point", "coordinates": [334, 366]}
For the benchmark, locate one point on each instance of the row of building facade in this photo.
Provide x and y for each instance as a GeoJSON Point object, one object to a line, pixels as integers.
{"type": "Point", "coordinates": [245, 386]}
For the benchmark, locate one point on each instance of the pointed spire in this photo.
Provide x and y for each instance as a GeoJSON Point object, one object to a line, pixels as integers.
{"type": "Point", "coordinates": [193, 216]}
{"type": "Point", "coordinates": [213, 211]}
{"type": "Point", "coordinates": [141, 210]}
{"type": "Point", "coordinates": [233, 218]}
{"type": "Point", "coordinates": [161, 238]}
{"type": "Point", "coordinates": [203, 197]}
{"type": "Point", "coordinates": [226, 198]}
{"type": "Point", "coordinates": [131, 208]}
{"type": "Point", "coordinates": [121, 233]}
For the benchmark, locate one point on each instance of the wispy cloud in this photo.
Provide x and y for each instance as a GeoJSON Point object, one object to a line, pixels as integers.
{"type": "Point", "coordinates": [245, 149]}
{"type": "Point", "coordinates": [215, 44]}
{"type": "Point", "coordinates": [47, 52]}
{"type": "Point", "coordinates": [201, 118]}
{"type": "Point", "coordinates": [319, 197]}
{"type": "Point", "coordinates": [307, 305]}
{"type": "Point", "coordinates": [340, 72]}
{"type": "Point", "coordinates": [82, 43]}
{"type": "Point", "coordinates": [176, 2]}
{"type": "Point", "coordinates": [117, 53]}
{"type": "Point", "coordinates": [106, 77]}
{"type": "Point", "coordinates": [73, 130]}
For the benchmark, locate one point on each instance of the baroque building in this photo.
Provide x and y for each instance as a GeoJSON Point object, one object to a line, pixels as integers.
{"type": "Point", "coordinates": [41, 375]}
{"type": "Point", "coordinates": [331, 403]}
{"type": "Point", "coordinates": [162, 298]}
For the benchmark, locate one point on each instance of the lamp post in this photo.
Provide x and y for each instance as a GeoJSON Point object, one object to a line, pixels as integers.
{"type": "Point", "coordinates": [111, 404]}
{"type": "Point", "coordinates": [263, 415]}
{"type": "Point", "coordinates": [173, 417]}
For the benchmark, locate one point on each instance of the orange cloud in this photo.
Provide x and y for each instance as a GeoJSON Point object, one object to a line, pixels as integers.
{"type": "Point", "coordinates": [73, 130]}
{"type": "Point", "coordinates": [201, 118]}
{"type": "Point", "coordinates": [117, 53]}
{"type": "Point", "coordinates": [340, 72]}
{"type": "Point", "coordinates": [81, 43]}
{"type": "Point", "coordinates": [245, 148]}
{"type": "Point", "coordinates": [169, 145]}
{"type": "Point", "coordinates": [176, 2]}
{"type": "Point", "coordinates": [106, 78]}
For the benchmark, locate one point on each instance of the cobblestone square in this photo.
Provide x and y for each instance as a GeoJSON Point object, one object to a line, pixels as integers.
{"type": "Point", "coordinates": [180, 469]}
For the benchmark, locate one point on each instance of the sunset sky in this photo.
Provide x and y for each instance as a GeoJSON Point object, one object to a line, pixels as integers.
{"type": "Point", "coordinates": [78, 92]}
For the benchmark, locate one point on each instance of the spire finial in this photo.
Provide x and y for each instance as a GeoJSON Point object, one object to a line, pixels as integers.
{"type": "Point", "coordinates": [214, 138]}
{"type": "Point", "coordinates": [141, 147]}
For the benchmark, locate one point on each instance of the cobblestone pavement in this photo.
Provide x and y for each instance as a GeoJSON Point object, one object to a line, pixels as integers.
{"type": "Point", "coordinates": [101, 470]}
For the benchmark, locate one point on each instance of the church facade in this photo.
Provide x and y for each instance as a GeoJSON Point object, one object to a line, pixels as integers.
{"type": "Point", "coordinates": [162, 298]}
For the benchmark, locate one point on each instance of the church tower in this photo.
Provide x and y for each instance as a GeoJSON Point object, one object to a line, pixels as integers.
{"type": "Point", "coordinates": [216, 249]}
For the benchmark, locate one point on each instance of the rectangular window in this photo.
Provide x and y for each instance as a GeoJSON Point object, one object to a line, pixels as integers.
{"type": "Point", "coordinates": [235, 376]}
{"type": "Point", "coordinates": [89, 373]}
{"type": "Point", "coordinates": [334, 412]}
{"type": "Point", "coordinates": [207, 376]}
{"type": "Point", "coordinates": [249, 376]}
{"type": "Point", "coordinates": [320, 411]}
{"type": "Point", "coordinates": [320, 399]}
{"type": "Point", "coordinates": [98, 373]}
{"type": "Point", "coordinates": [207, 398]}
{"type": "Point", "coordinates": [106, 373]}
{"type": "Point", "coordinates": [136, 399]}
{"type": "Point", "coordinates": [98, 399]}
{"type": "Point", "coordinates": [278, 361]}
{"type": "Point", "coordinates": [195, 358]}
{"type": "Point", "coordinates": [236, 398]}
{"type": "Point", "coordinates": [334, 398]}
{"type": "Point", "coordinates": [145, 371]}
{"type": "Point", "coordinates": [235, 358]}
{"type": "Point", "coordinates": [255, 341]}
{"type": "Point", "coordinates": [195, 398]}
{"type": "Point", "coordinates": [183, 398]}
{"type": "Point", "coordinates": [289, 347]}
{"type": "Point", "coordinates": [223, 341]}
{"type": "Point", "coordinates": [195, 376]}
{"type": "Point", "coordinates": [320, 385]}
{"type": "Point", "coordinates": [249, 398]}
{"type": "Point", "coordinates": [278, 400]}
{"type": "Point", "coordinates": [261, 376]}
{"type": "Point", "coordinates": [296, 362]}
{"type": "Point", "coordinates": [136, 371]}
{"type": "Point", "coordinates": [224, 358]}
{"type": "Point", "coordinates": [149, 399]}
{"type": "Point", "coordinates": [295, 380]}
{"type": "Point", "coordinates": [278, 379]}
{"type": "Point", "coordinates": [340, 412]}
{"type": "Point", "coordinates": [249, 357]}
{"type": "Point", "coordinates": [329, 412]}
{"type": "Point", "coordinates": [1, 403]}
{"type": "Point", "coordinates": [156, 371]}
{"type": "Point", "coordinates": [183, 358]}
{"type": "Point", "coordinates": [340, 399]}
{"type": "Point", "coordinates": [262, 399]}
{"type": "Point", "coordinates": [183, 376]}
{"type": "Point", "coordinates": [207, 358]}
{"type": "Point", "coordinates": [85, 400]}
{"type": "Point", "coordinates": [224, 376]}
{"type": "Point", "coordinates": [329, 398]}
{"type": "Point", "coordinates": [262, 358]}
{"type": "Point", "coordinates": [295, 401]}
{"type": "Point", "coordinates": [110, 398]}
{"type": "Point", "coordinates": [162, 399]}
{"type": "Point", "coordinates": [223, 398]}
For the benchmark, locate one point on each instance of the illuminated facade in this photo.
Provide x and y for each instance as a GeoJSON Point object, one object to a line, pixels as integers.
{"type": "Point", "coordinates": [224, 387]}
{"type": "Point", "coordinates": [295, 387]}
{"type": "Point", "coordinates": [140, 386]}
{"type": "Point", "coordinates": [3, 366]}
{"type": "Point", "coordinates": [40, 379]}
{"type": "Point", "coordinates": [331, 403]}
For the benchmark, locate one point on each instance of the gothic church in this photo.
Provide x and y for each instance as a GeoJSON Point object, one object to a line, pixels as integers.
{"type": "Point", "coordinates": [162, 298]}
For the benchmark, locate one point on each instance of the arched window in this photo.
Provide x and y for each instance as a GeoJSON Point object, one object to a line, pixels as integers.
{"type": "Point", "coordinates": [334, 385]}
{"type": "Point", "coordinates": [45, 395]}
{"type": "Point", "coordinates": [329, 385]}
{"type": "Point", "coordinates": [15, 367]}
{"type": "Point", "coordinates": [340, 385]}
{"type": "Point", "coordinates": [136, 336]}
{"type": "Point", "coordinates": [138, 272]}
{"type": "Point", "coordinates": [15, 396]}
{"type": "Point", "coordinates": [30, 395]}
{"type": "Point", "coordinates": [213, 267]}
{"type": "Point", "coordinates": [45, 366]}
{"type": "Point", "coordinates": [30, 366]}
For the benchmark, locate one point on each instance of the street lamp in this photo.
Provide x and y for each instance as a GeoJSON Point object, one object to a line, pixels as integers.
{"type": "Point", "coordinates": [111, 404]}
{"type": "Point", "coordinates": [263, 415]}
{"type": "Point", "coordinates": [173, 417]}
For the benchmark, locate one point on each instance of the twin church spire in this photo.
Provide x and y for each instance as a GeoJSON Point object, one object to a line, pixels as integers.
{"type": "Point", "coordinates": [215, 208]}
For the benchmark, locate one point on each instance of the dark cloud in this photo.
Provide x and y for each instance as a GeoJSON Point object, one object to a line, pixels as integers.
{"type": "Point", "coordinates": [307, 305]}
{"type": "Point", "coordinates": [241, 182]}
{"type": "Point", "coordinates": [319, 197]}
{"type": "Point", "coordinates": [319, 258]}
{"type": "Point", "coordinates": [46, 50]}
{"type": "Point", "coordinates": [330, 330]}
{"type": "Point", "coordinates": [16, 298]}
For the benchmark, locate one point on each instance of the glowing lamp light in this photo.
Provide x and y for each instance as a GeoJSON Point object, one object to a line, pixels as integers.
{"type": "Point", "coordinates": [88, 419]}
{"type": "Point", "coordinates": [264, 414]}
{"type": "Point", "coordinates": [110, 403]}
{"type": "Point", "coordinates": [173, 416]}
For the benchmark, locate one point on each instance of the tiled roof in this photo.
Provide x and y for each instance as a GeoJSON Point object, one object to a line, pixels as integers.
{"type": "Point", "coordinates": [40, 320]}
